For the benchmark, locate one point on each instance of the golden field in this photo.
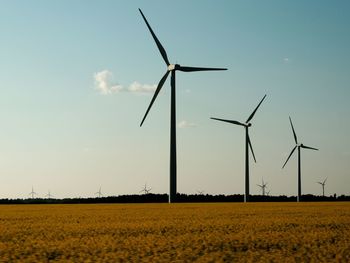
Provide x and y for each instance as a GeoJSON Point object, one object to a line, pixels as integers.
{"type": "Point", "coordinates": [216, 232]}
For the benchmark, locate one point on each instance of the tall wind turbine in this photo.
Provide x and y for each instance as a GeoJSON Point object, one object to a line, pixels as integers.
{"type": "Point", "coordinates": [323, 184]}
{"type": "Point", "coordinates": [32, 193]}
{"type": "Point", "coordinates": [99, 193]}
{"type": "Point", "coordinates": [248, 145]}
{"type": "Point", "coordinates": [263, 186]}
{"type": "Point", "coordinates": [171, 68]}
{"type": "Point", "coordinates": [297, 145]}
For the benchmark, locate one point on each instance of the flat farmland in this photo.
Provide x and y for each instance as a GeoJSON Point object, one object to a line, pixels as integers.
{"type": "Point", "coordinates": [214, 232]}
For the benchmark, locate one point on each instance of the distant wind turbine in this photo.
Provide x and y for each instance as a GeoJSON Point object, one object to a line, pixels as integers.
{"type": "Point", "coordinates": [49, 195]}
{"type": "Point", "coordinates": [99, 193]}
{"type": "Point", "coordinates": [146, 190]}
{"type": "Point", "coordinates": [323, 184]}
{"type": "Point", "coordinates": [170, 68]}
{"type": "Point", "coordinates": [32, 193]}
{"type": "Point", "coordinates": [200, 192]}
{"type": "Point", "coordinates": [248, 145]}
{"type": "Point", "coordinates": [297, 145]}
{"type": "Point", "coordinates": [263, 186]}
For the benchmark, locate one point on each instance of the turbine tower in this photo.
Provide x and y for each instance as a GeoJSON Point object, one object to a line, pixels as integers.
{"type": "Point", "coordinates": [171, 68]}
{"type": "Point", "coordinates": [323, 184]}
{"type": "Point", "coordinates": [248, 145]}
{"type": "Point", "coordinates": [145, 190]}
{"type": "Point", "coordinates": [99, 193]}
{"type": "Point", "coordinates": [32, 193]}
{"type": "Point", "coordinates": [299, 146]}
{"type": "Point", "coordinates": [263, 186]}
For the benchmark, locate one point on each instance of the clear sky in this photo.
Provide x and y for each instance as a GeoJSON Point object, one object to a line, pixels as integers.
{"type": "Point", "coordinates": [77, 77]}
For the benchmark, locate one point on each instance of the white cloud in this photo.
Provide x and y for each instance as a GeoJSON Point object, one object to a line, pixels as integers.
{"type": "Point", "coordinates": [286, 60]}
{"type": "Point", "coordinates": [137, 87]}
{"type": "Point", "coordinates": [185, 124]}
{"type": "Point", "coordinates": [103, 83]}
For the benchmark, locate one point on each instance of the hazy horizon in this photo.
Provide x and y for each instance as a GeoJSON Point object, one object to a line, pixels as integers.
{"type": "Point", "coordinates": [77, 78]}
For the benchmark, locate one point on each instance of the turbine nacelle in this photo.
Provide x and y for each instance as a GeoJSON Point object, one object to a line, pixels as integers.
{"type": "Point", "coordinates": [248, 124]}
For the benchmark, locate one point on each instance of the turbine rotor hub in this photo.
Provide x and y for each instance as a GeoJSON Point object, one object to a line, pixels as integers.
{"type": "Point", "coordinates": [171, 67]}
{"type": "Point", "coordinates": [248, 124]}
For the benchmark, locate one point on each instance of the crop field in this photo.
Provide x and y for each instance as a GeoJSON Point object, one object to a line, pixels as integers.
{"type": "Point", "coordinates": [215, 232]}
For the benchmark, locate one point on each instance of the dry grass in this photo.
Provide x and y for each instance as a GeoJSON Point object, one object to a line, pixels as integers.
{"type": "Point", "coordinates": [225, 232]}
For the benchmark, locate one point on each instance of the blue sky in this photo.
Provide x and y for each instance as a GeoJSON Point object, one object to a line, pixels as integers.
{"type": "Point", "coordinates": [60, 132]}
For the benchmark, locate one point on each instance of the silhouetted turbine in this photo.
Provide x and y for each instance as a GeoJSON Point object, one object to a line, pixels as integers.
{"type": "Point", "coordinates": [99, 193]}
{"type": "Point", "coordinates": [263, 186]}
{"type": "Point", "coordinates": [32, 193]}
{"type": "Point", "coordinates": [49, 195]}
{"type": "Point", "coordinates": [248, 144]}
{"type": "Point", "coordinates": [145, 190]}
{"type": "Point", "coordinates": [323, 184]}
{"type": "Point", "coordinates": [297, 145]}
{"type": "Point", "coordinates": [170, 68]}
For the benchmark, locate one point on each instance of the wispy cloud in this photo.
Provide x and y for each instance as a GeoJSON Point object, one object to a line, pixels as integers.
{"type": "Point", "coordinates": [286, 60]}
{"type": "Point", "coordinates": [105, 84]}
{"type": "Point", "coordinates": [137, 87]}
{"type": "Point", "coordinates": [185, 124]}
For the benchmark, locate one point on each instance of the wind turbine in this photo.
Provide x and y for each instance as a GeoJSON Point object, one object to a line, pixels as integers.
{"type": "Point", "coordinates": [248, 144]}
{"type": "Point", "coordinates": [32, 193]}
{"type": "Point", "coordinates": [297, 145]}
{"type": "Point", "coordinates": [323, 184]}
{"type": "Point", "coordinates": [99, 193]}
{"type": "Point", "coordinates": [145, 190]}
{"type": "Point", "coordinates": [263, 186]}
{"type": "Point", "coordinates": [49, 195]}
{"type": "Point", "coordinates": [171, 68]}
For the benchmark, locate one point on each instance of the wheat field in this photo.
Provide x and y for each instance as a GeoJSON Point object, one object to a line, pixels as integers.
{"type": "Point", "coordinates": [215, 232]}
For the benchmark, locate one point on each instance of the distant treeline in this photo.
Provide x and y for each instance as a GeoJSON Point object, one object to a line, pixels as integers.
{"type": "Point", "coordinates": [181, 198]}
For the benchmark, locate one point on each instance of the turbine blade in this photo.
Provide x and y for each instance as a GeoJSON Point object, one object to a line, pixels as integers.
{"type": "Point", "coordinates": [295, 136]}
{"type": "Point", "coordinates": [229, 121]}
{"type": "Point", "coordinates": [325, 180]}
{"type": "Point", "coordinates": [307, 147]}
{"type": "Point", "coordinates": [251, 148]}
{"type": "Point", "coordinates": [160, 85]}
{"type": "Point", "coordinates": [192, 69]}
{"type": "Point", "coordinates": [289, 156]}
{"type": "Point", "coordinates": [159, 45]}
{"type": "Point", "coordinates": [253, 113]}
